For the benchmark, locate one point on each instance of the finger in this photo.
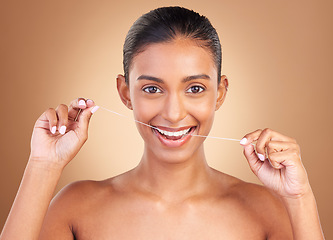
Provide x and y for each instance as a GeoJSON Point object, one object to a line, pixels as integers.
{"type": "Point", "coordinates": [84, 119]}
{"type": "Point", "coordinates": [75, 107]}
{"type": "Point", "coordinates": [90, 104]}
{"type": "Point", "coordinates": [62, 112]}
{"type": "Point", "coordinates": [265, 137]}
{"type": "Point", "coordinates": [279, 146]}
{"type": "Point", "coordinates": [252, 158]}
{"type": "Point", "coordinates": [251, 137]}
{"type": "Point", "coordinates": [50, 115]}
{"type": "Point", "coordinates": [286, 158]}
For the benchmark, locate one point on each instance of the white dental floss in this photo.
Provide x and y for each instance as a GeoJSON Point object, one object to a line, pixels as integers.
{"type": "Point", "coordinates": [194, 135]}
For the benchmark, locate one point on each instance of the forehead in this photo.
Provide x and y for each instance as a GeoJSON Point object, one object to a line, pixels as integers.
{"type": "Point", "coordinates": [176, 59]}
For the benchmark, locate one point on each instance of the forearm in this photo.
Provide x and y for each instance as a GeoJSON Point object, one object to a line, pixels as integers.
{"type": "Point", "coordinates": [304, 217]}
{"type": "Point", "coordinates": [31, 203]}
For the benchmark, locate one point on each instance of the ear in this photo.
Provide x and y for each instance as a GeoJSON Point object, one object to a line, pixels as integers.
{"type": "Point", "coordinates": [221, 91]}
{"type": "Point", "coordinates": [123, 90]}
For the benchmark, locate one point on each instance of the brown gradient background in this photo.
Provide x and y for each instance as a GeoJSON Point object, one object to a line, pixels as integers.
{"type": "Point", "coordinates": [276, 54]}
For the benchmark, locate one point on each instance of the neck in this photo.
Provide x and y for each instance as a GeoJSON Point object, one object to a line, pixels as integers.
{"type": "Point", "coordinates": [173, 181]}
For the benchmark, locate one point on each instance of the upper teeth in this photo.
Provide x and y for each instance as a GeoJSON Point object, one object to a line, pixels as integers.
{"type": "Point", "coordinates": [176, 134]}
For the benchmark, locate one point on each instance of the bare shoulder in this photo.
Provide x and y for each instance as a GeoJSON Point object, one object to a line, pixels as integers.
{"type": "Point", "coordinates": [81, 194]}
{"type": "Point", "coordinates": [250, 194]}
{"type": "Point", "coordinates": [81, 189]}
{"type": "Point", "coordinates": [254, 195]}
{"type": "Point", "coordinates": [261, 204]}
{"type": "Point", "coordinates": [71, 203]}
{"type": "Point", "coordinates": [72, 197]}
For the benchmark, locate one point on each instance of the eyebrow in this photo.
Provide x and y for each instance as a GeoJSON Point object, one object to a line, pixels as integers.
{"type": "Point", "coordinates": [200, 76]}
{"type": "Point", "coordinates": [184, 80]}
{"type": "Point", "coordinates": [146, 77]}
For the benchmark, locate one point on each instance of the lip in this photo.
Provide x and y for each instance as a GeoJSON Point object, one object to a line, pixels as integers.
{"type": "Point", "coordinates": [174, 143]}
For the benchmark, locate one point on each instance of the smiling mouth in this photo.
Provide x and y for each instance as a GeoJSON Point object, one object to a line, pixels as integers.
{"type": "Point", "coordinates": [174, 135]}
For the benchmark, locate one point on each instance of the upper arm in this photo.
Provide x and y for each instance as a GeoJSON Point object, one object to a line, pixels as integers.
{"type": "Point", "coordinates": [59, 217]}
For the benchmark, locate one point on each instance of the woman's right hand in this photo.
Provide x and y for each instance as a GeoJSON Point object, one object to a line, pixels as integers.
{"type": "Point", "coordinates": [59, 133]}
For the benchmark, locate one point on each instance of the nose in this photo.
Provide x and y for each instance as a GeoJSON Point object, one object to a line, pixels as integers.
{"type": "Point", "coordinates": [173, 109]}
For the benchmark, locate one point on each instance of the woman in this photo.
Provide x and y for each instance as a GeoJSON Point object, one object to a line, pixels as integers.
{"type": "Point", "coordinates": [173, 83]}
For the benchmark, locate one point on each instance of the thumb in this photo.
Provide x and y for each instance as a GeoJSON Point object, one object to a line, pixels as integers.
{"type": "Point", "coordinates": [252, 158]}
{"type": "Point", "coordinates": [84, 119]}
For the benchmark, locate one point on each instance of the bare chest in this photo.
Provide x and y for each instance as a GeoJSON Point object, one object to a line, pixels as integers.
{"type": "Point", "coordinates": [183, 222]}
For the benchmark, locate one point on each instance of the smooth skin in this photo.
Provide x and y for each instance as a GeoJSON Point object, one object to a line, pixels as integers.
{"type": "Point", "coordinates": [172, 193]}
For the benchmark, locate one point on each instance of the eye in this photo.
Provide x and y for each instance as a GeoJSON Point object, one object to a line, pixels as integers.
{"type": "Point", "coordinates": [151, 89]}
{"type": "Point", "coordinates": [195, 89]}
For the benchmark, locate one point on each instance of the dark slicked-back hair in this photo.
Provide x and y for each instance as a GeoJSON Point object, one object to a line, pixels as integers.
{"type": "Point", "coordinates": [165, 25]}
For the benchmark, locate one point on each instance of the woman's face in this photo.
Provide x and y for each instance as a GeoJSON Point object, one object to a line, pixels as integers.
{"type": "Point", "coordinates": [173, 87]}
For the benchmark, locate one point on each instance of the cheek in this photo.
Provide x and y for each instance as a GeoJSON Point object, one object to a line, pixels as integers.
{"type": "Point", "coordinates": [203, 110]}
{"type": "Point", "coordinates": [204, 105]}
{"type": "Point", "coordinates": [144, 109]}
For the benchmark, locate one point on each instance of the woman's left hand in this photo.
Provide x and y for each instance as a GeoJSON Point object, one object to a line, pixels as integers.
{"type": "Point", "coordinates": [276, 161]}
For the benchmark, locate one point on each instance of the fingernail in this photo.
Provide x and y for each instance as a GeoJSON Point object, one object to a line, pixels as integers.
{"type": "Point", "coordinates": [53, 129]}
{"type": "Point", "coordinates": [62, 130]}
{"type": "Point", "coordinates": [94, 109]}
{"type": "Point", "coordinates": [261, 157]}
{"type": "Point", "coordinates": [82, 103]}
{"type": "Point", "coordinates": [243, 141]}
{"type": "Point", "coordinates": [90, 101]}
